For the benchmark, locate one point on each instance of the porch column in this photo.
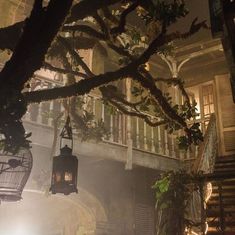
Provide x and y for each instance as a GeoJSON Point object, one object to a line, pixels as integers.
{"type": "Point", "coordinates": [129, 140]}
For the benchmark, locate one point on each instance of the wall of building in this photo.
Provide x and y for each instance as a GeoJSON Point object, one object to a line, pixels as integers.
{"type": "Point", "coordinates": [123, 201]}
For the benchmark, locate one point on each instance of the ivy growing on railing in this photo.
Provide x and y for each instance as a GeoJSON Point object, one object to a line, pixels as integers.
{"type": "Point", "coordinates": [173, 192]}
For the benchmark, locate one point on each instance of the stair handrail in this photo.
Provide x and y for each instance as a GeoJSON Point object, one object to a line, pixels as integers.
{"type": "Point", "coordinates": [207, 149]}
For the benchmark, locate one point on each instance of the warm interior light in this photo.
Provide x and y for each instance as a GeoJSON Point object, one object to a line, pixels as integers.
{"type": "Point", "coordinates": [18, 230]}
{"type": "Point", "coordinates": [58, 177]}
{"type": "Point", "coordinates": [68, 176]}
{"type": "Point", "coordinates": [208, 191]}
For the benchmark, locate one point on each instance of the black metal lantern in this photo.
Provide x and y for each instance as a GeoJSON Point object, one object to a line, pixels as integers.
{"type": "Point", "coordinates": [65, 166]}
{"type": "Point", "coordinates": [14, 173]}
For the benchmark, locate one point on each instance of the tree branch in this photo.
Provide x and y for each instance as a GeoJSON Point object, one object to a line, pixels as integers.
{"type": "Point", "coordinates": [108, 15]}
{"type": "Point", "coordinates": [75, 55]}
{"type": "Point", "coordinates": [102, 25]}
{"type": "Point", "coordinates": [85, 86]}
{"type": "Point", "coordinates": [85, 29]}
{"type": "Point", "coordinates": [145, 117]}
{"type": "Point", "coordinates": [10, 35]}
{"type": "Point", "coordinates": [40, 29]}
{"type": "Point", "coordinates": [86, 8]}
{"type": "Point", "coordinates": [64, 71]}
{"type": "Point", "coordinates": [156, 93]}
{"type": "Point", "coordinates": [121, 27]}
{"type": "Point", "coordinates": [177, 82]}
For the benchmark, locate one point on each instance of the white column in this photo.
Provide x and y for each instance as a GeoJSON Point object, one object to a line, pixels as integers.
{"type": "Point", "coordinates": [102, 111]}
{"type": "Point", "coordinates": [196, 151]}
{"type": "Point", "coordinates": [50, 120]}
{"type": "Point", "coordinates": [160, 150]}
{"type": "Point", "coordinates": [137, 133]}
{"type": "Point", "coordinates": [120, 128]}
{"type": "Point", "coordinates": [39, 117]}
{"type": "Point", "coordinates": [27, 114]}
{"type": "Point", "coordinates": [93, 105]}
{"type": "Point", "coordinates": [152, 140]}
{"type": "Point", "coordinates": [111, 127]}
{"type": "Point", "coordinates": [145, 137]}
{"type": "Point", "coordinates": [166, 150]}
{"type": "Point", "coordinates": [173, 146]}
{"type": "Point", "coordinates": [129, 157]}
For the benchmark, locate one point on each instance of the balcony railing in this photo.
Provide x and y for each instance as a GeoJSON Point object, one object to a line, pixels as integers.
{"type": "Point", "coordinates": [208, 149]}
{"type": "Point", "coordinates": [122, 128]}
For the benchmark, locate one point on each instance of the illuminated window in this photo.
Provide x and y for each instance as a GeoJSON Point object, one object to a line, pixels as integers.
{"type": "Point", "coordinates": [207, 100]}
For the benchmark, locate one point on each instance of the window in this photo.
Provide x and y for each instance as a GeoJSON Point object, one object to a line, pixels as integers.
{"type": "Point", "coordinates": [207, 100]}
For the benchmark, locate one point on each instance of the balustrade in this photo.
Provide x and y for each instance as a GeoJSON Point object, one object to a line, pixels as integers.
{"type": "Point", "coordinates": [121, 128]}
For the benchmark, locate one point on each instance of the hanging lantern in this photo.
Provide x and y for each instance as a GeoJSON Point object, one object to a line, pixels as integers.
{"type": "Point", "coordinates": [14, 173]}
{"type": "Point", "coordinates": [65, 166]}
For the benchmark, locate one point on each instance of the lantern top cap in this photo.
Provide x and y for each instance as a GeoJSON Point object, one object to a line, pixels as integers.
{"type": "Point", "coordinates": [66, 151]}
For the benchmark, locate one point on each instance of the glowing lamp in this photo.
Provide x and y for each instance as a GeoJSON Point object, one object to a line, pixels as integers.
{"type": "Point", "coordinates": [65, 166]}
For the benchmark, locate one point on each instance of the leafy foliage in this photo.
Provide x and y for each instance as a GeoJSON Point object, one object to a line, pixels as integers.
{"type": "Point", "coordinates": [13, 133]}
{"type": "Point", "coordinates": [173, 191]}
{"type": "Point", "coordinates": [59, 44]}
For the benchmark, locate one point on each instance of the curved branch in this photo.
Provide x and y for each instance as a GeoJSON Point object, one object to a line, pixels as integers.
{"type": "Point", "coordinates": [136, 114]}
{"type": "Point", "coordinates": [76, 117]}
{"type": "Point", "coordinates": [64, 71]}
{"type": "Point", "coordinates": [55, 134]}
{"type": "Point", "coordinates": [102, 24]}
{"type": "Point", "coordinates": [75, 55]}
{"type": "Point", "coordinates": [85, 29]}
{"type": "Point", "coordinates": [121, 27]}
{"type": "Point", "coordinates": [174, 81]}
{"type": "Point", "coordinates": [39, 32]}
{"type": "Point", "coordinates": [109, 94]}
{"type": "Point", "coordinates": [86, 8]}
{"type": "Point", "coordinates": [85, 86]}
{"type": "Point", "coordinates": [10, 35]}
{"type": "Point", "coordinates": [80, 88]}
{"type": "Point", "coordinates": [108, 15]}
{"type": "Point", "coordinates": [167, 110]}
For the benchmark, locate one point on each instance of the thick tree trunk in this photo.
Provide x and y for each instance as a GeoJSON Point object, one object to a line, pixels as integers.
{"type": "Point", "coordinates": [39, 31]}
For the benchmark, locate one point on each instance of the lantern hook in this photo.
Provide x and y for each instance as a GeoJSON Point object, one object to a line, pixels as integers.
{"type": "Point", "coordinates": [67, 132]}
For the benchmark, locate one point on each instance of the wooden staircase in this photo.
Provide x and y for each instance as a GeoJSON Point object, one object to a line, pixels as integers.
{"type": "Point", "coordinates": [220, 210]}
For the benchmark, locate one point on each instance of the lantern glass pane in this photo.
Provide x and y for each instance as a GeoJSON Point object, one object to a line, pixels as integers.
{"type": "Point", "coordinates": [68, 176]}
{"type": "Point", "coordinates": [57, 177]}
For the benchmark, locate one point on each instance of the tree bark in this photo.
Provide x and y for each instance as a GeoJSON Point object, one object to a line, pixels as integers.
{"type": "Point", "coordinates": [39, 32]}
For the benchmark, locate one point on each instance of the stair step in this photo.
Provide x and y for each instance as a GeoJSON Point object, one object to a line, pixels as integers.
{"type": "Point", "coordinates": [220, 233]}
{"type": "Point", "coordinates": [225, 190]}
{"type": "Point", "coordinates": [217, 223]}
{"type": "Point", "coordinates": [226, 161]}
{"type": "Point", "coordinates": [224, 197]}
{"type": "Point", "coordinates": [225, 203]}
{"type": "Point", "coordinates": [224, 174]}
{"type": "Point", "coordinates": [225, 158]}
{"type": "Point", "coordinates": [224, 164]}
{"type": "Point", "coordinates": [226, 170]}
{"type": "Point", "coordinates": [216, 213]}
{"type": "Point", "coordinates": [230, 182]}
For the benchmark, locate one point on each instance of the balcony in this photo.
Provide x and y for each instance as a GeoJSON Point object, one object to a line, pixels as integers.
{"type": "Point", "coordinates": [131, 140]}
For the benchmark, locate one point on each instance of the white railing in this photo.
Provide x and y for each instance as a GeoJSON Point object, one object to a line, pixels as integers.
{"type": "Point", "coordinates": [208, 149]}
{"type": "Point", "coordinates": [123, 130]}
{"type": "Point", "coordinates": [119, 126]}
